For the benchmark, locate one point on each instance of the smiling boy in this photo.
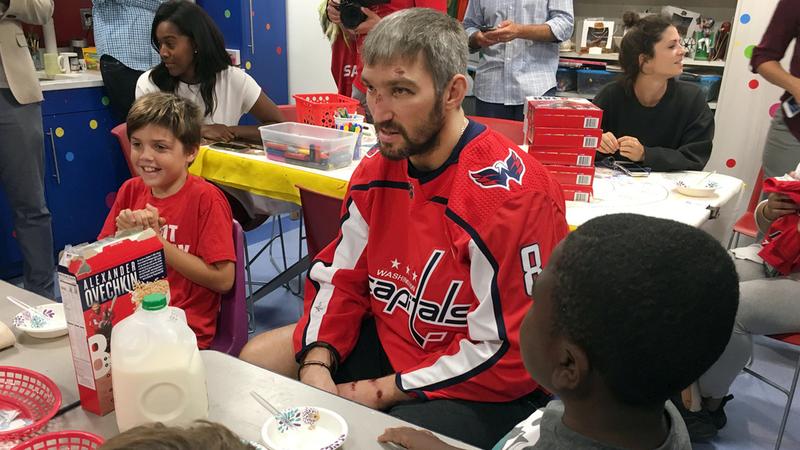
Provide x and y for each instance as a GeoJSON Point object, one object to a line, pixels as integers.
{"type": "Point", "coordinates": [192, 217]}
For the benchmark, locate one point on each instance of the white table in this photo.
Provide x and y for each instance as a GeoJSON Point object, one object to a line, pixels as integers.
{"type": "Point", "coordinates": [614, 192]}
{"type": "Point", "coordinates": [230, 381]}
{"type": "Point", "coordinates": [51, 357]}
{"type": "Point", "coordinates": [653, 196]}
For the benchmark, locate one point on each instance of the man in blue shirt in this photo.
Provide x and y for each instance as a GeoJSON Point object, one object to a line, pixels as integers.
{"type": "Point", "coordinates": [518, 41]}
{"type": "Point", "coordinates": [122, 36]}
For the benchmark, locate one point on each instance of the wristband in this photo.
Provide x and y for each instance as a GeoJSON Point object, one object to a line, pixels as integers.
{"type": "Point", "coordinates": [313, 363]}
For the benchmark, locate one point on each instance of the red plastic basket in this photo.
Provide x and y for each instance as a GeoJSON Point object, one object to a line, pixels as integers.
{"type": "Point", "coordinates": [62, 440]}
{"type": "Point", "coordinates": [33, 394]}
{"type": "Point", "coordinates": [320, 109]}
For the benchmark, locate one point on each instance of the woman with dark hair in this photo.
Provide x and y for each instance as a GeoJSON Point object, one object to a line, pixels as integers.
{"type": "Point", "coordinates": [648, 116]}
{"type": "Point", "coordinates": [194, 65]}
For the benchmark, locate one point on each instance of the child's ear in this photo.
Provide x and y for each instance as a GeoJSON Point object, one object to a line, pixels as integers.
{"type": "Point", "coordinates": [572, 369]}
{"type": "Point", "coordinates": [192, 155]}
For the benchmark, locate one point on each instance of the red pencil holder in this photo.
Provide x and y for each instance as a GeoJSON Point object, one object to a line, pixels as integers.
{"type": "Point", "coordinates": [320, 109]}
{"type": "Point", "coordinates": [62, 440]}
{"type": "Point", "coordinates": [33, 394]}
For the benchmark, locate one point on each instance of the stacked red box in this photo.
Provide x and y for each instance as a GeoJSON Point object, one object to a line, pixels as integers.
{"type": "Point", "coordinates": [563, 133]}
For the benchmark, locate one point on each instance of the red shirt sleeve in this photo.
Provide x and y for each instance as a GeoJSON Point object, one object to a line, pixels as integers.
{"type": "Point", "coordinates": [337, 288]}
{"type": "Point", "coordinates": [505, 255]}
{"type": "Point", "coordinates": [783, 27]}
{"type": "Point", "coordinates": [215, 228]}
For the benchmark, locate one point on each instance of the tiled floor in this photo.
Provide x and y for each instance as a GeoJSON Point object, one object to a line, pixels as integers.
{"type": "Point", "coordinates": [753, 416]}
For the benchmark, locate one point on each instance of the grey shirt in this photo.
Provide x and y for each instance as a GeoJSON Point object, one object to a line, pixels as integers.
{"type": "Point", "coordinates": [544, 430]}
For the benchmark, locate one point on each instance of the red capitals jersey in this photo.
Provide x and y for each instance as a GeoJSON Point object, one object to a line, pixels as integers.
{"type": "Point", "coordinates": [383, 11]}
{"type": "Point", "coordinates": [444, 261]}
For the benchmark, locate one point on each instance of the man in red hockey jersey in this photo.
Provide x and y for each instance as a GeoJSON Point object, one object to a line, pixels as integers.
{"type": "Point", "coordinates": [415, 308]}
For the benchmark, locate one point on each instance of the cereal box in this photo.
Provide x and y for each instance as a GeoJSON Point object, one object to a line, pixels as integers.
{"type": "Point", "coordinates": [559, 112]}
{"type": "Point", "coordinates": [97, 282]}
{"type": "Point", "coordinates": [576, 193]}
{"type": "Point", "coordinates": [564, 137]}
{"type": "Point", "coordinates": [580, 157]}
{"type": "Point", "coordinates": [572, 175]}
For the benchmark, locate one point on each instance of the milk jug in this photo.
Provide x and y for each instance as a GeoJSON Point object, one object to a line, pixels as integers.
{"type": "Point", "coordinates": [156, 371]}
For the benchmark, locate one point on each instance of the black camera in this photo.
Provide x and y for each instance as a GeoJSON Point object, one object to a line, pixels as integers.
{"type": "Point", "coordinates": [351, 14]}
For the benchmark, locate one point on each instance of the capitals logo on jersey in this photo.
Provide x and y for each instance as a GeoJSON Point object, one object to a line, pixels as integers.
{"type": "Point", "coordinates": [500, 173]}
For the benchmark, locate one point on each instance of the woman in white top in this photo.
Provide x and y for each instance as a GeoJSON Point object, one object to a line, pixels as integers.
{"type": "Point", "coordinates": [194, 65]}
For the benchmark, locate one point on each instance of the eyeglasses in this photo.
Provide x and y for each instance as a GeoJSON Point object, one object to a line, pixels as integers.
{"type": "Point", "coordinates": [628, 168]}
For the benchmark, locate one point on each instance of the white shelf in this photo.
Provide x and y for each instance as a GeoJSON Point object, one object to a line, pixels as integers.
{"type": "Point", "coordinates": [573, 94]}
{"type": "Point", "coordinates": [615, 56]}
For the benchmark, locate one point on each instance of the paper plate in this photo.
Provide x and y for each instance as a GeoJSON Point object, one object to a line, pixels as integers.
{"type": "Point", "coordinates": [304, 428]}
{"type": "Point", "coordinates": [707, 189]}
{"type": "Point", "coordinates": [54, 326]}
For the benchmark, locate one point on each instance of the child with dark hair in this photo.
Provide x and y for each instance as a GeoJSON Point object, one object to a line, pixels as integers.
{"type": "Point", "coordinates": [191, 216]}
{"type": "Point", "coordinates": [202, 435]}
{"type": "Point", "coordinates": [195, 65]}
{"type": "Point", "coordinates": [614, 330]}
{"type": "Point", "coordinates": [649, 117]}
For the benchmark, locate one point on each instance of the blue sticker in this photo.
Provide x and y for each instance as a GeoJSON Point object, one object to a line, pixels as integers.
{"type": "Point", "coordinates": [745, 18]}
{"type": "Point", "coordinates": [69, 156]}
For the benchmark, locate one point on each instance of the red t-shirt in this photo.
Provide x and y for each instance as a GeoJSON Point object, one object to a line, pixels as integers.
{"type": "Point", "coordinates": [344, 64]}
{"type": "Point", "coordinates": [385, 10]}
{"type": "Point", "coordinates": [199, 222]}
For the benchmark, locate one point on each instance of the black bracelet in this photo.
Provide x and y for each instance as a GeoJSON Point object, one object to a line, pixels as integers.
{"type": "Point", "coordinates": [313, 363]}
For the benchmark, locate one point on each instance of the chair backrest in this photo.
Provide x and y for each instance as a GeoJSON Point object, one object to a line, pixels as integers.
{"type": "Point", "coordinates": [321, 216]}
{"type": "Point", "coordinates": [289, 112]}
{"type": "Point", "coordinates": [511, 129]}
{"type": "Point", "coordinates": [755, 197]}
{"type": "Point", "coordinates": [121, 132]}
{"type": "Point", "coordinates": [232, 320]}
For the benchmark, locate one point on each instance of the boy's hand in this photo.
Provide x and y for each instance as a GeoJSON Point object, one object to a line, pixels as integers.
{"type": "Point", "coordinates": [154, 220]}
{"type": "Point", "coordinates": [779, 205]}
{"type": "Point", "coordinates": [217, 133]}
{"type": "Point", "coordinates": [132, 220]}
{"type": "Point", "coordinates": [608, 143]}
{"type": "Point", "coordinates": [414, 439]}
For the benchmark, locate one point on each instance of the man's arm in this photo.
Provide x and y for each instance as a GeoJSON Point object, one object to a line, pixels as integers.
{"type": "Point", "coordinates": [766, 58]}
{"type": "Point", "coordinates": [34, 12]}
{"type": "Point", "coordinates": [557, 28]}
{"type": "Point", "coordinates": [336, 299]}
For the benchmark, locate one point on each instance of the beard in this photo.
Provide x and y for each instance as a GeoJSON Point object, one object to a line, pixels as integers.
{"type": "Point", "coordinates": [425, 138]}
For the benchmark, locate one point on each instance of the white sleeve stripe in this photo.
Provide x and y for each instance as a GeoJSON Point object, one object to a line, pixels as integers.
{"type": "Point", "coordinates": [348, 251]}
{"type": "Point", "coordinates": [481, 322]}
{"type": "Point", "coordinates": [482, 327]}
{"type": "Point", "coordinates": [470, 356]}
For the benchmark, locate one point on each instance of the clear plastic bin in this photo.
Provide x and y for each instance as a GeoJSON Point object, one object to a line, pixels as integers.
{"type": "Point", "coordinates": [308, 145]}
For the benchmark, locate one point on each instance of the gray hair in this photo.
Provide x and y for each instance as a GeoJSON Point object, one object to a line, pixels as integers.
{"type": "Point", "coordinates": [409, 32]}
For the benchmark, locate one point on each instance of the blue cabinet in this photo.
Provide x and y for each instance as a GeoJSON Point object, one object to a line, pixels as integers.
{"type": "Point", "coordinates": [257, 28]}
{"type": "Point", "coordinates": [84, 167]}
